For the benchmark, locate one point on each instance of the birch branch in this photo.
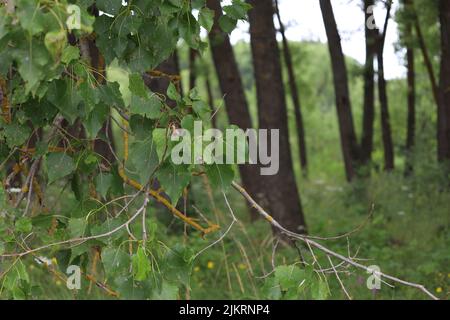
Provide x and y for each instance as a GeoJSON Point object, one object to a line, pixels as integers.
{"type": "Point", "coordinates": [322, 248]}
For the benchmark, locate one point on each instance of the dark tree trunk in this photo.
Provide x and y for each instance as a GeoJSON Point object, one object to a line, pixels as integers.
{"type": "Point", "coordinates": [168, 71]}
{"type": "Point", "coordinates": [369, 89]}
{"type": "Point", "coordinates": [283, 196]}
{"type": "Point", "coordinates": [231, 86]}
{"type": "Point", "coordinates": [384, 104]}
{"type": "Point", "coordinates": [192, 71]}
{"type": "Point", "coordinates": [410, 140]}
{"type": "Point", "coordinates": [344, 111]}
{"type": "Point", "coordinates": [294, 94]}
{"type": "Point", "coordinates": [385, 121]}
{"type": "Point", "coordinates": [442, 140]}
{"type": "Point", "coordinates": [427, 59]}
{"type": "Point", "coordinates": [411, 122]}
{"type": "Point", "coordinates": [104, 141]}
{"type": "Point", "coordinates": [445, 77]}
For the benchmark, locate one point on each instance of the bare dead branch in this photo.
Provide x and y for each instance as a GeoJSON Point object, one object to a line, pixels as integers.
{"type": "Point", "coordinates": [322, 248]}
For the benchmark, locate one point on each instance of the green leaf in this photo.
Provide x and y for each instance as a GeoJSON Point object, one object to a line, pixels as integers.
{"type": "Point", "coordinates": [289, 277]}
{"type": "Point", "coordinates": [188, 123]}
{"type": "Point", "coordinates": [21, 272]}
{"type": "Point", "coordinates": [189, 30]}
{"type": "Point", "coordinates": [58, 166]}
{"type": "Point", "coordinates": [89, 95]}
{"type": "Point", "coordinates": [109, 6]}
{"type": "Point", "coordinates": [272, 289]}
{"type": "Point", "coordinates": [163, 143]}
{"type": "Point", "coordinates": [69, 54]}
{"type": "Point", "coordinates": [169, 291]}
{"type": "Point", "coordinates": [77, 227]}
{"type": "Point", "coordinates": [137, 85]}
{"type": "Point", "coordinates": [177, 264]}
{"type": "Point", "coordinates": [237, 10]}
{"type": "Point", "coordinates": [197, 4]}
{"type": "Point", "coordinates": [173, 179]}
{"type": "Point", "coordinates": [193, 94]}
{"type": "Point", "coordinates": [110, 95]}
{"type": "Point", "coordinates": [148, 107]}
{"type": "Point", "coordinates": [115, 261]}
{"type": "Point", "coordinates": [141, 265]}
{"type": "Point", "coordinates": [173, 93]}
{"type": "Point", "coordinates": [108, 226]}
{"type": "Point", "coordinates": [103, 183]}
{"type": "Point", "coordinates": [227, 24]}
{"type": "Point", "coordinates": [30, 16]}
{"type": "Point", "coordinates": [55, 42]}
{"type": "Point", "coordinates": [33, 59]}
{"type": "Point", "coordinates": [2, 196]}
{"type": "Point", "coordinates": [63, 95]}
{"type": "Point", "coordinates": [144, 158]}
{"type": "Point", "coordinates": [4, 22]}
{"type": "Point", "coordinates": [15, 134]}
{"type": "Point", "coordinates": [23, 225]}
{"type": "Point", "coordinates": [176, 3]}
{"type": "Point", "coordinates": [206, 18]}
{"type": "Point", "coordinates": [319, 289]}
{"type": "Point", "coordinates": [96, 119]}
{"type": "Point", "coordinates": [201, 108]}
{"type": "Point", "coordinates": [220, 175]}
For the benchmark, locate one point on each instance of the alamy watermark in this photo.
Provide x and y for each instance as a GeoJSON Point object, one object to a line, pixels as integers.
{"type": "Point", "coordinates": [73, 22]}
{"type": "Point", "coordinates": [374, 280]}
{"type": "Point", "coordinates": [242, 147]}
{"type": "Point", "coordinates": [73, 281]}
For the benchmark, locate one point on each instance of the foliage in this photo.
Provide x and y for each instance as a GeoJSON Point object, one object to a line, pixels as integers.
{"type": "Point", "coordinates": [83, 62]}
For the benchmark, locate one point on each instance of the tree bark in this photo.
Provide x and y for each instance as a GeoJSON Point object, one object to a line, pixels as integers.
{"type": "Point", "coordinates": [294, 94]}
{"type": "Point", "coordinates": [444, 86]}
{"type": "Point", "coordinates": [369, 89]}
{"type": "Point", "coordinates": [236, 103]}
{"type": "Point", "coordinates": [159, 83]}
{"type": "Point", "coordinates": [192, 71]}
{"type": "Point", "coordinates": [411, 121]}
{"type": "Point", "coordinates": [442, 140]}
{"type": "Point", "coordinates": [426, 59]}
{"type": "Point", "coordinates": [93, 56]}
{"type": "Point", "coordinates": [283, 196]}
{"type": "Point", "coordinates": [384, 104]}
{"type": "Point", "coordinates": [350, 149]}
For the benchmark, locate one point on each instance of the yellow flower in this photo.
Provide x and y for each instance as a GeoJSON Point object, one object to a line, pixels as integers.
{"type": "Point", "coordinates": [242, 266]}
{"type": "Point", "coordinates": [210, 265]}
{"type": "Point", "coordinates": [58, 283]}
{"type": "Point", "coordinates": [438, 289]}
{"type": "Point", "coordinates": [196, 269]}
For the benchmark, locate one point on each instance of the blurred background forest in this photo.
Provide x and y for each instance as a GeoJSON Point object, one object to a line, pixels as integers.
{"type": "Point", "coordinates": [409, 232]}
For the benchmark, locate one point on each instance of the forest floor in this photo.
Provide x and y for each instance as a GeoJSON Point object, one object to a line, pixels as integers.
{"type": "Point", "coordinates": [401, 225]}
